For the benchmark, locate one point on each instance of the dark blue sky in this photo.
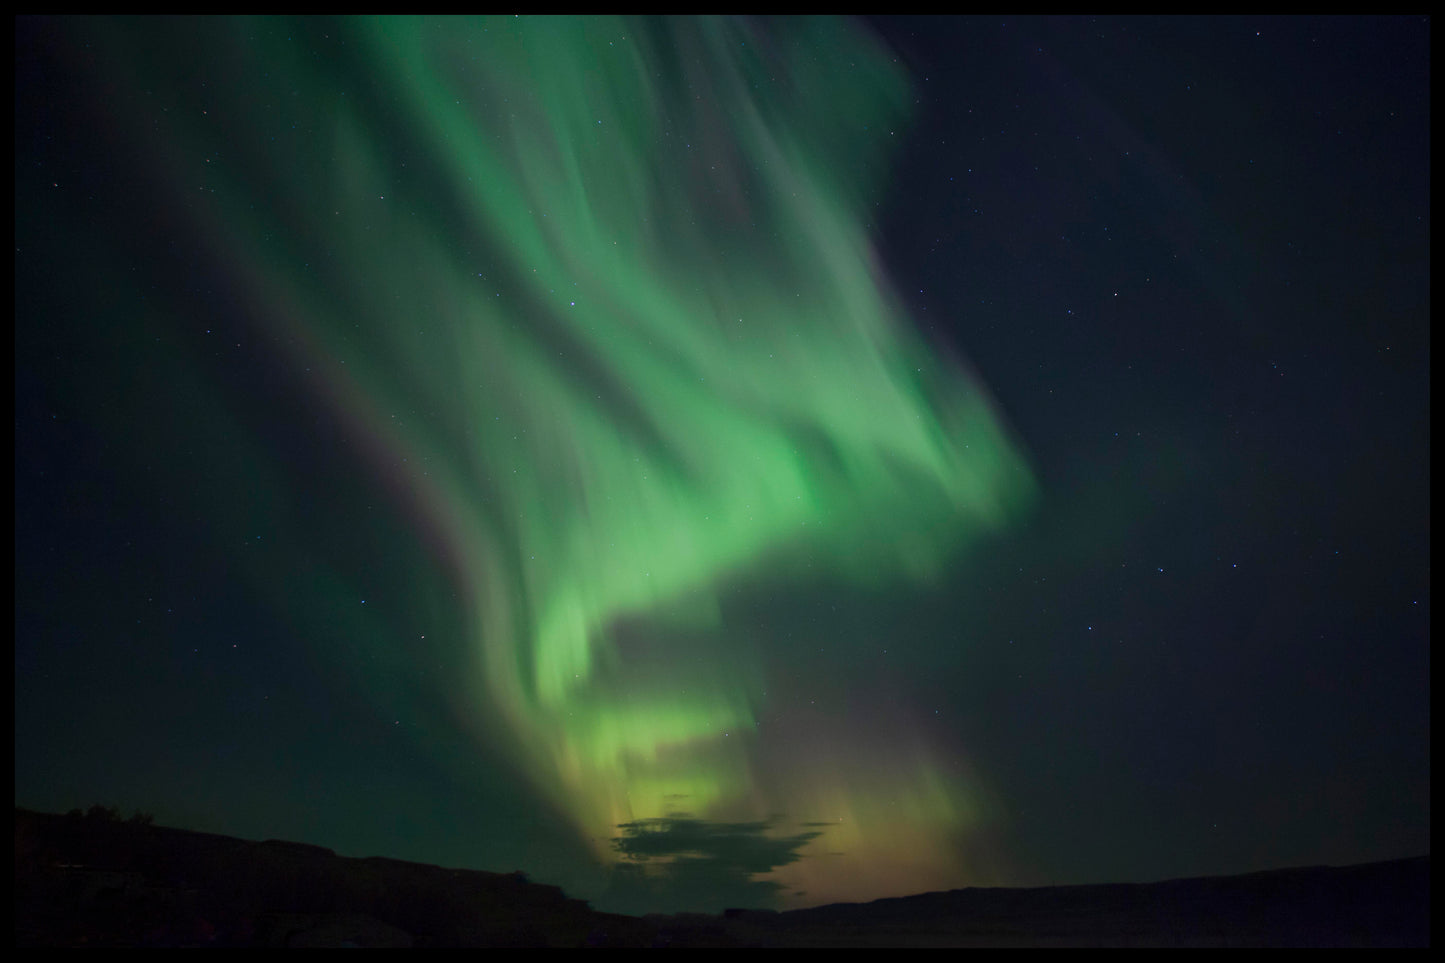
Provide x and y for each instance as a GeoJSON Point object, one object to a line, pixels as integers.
{"type": "Point", "coordinates": [1190, 257]}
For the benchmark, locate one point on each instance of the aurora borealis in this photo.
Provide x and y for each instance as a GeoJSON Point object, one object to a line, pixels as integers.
{"type": "Point", "coordinates": [702, 380]}
{"type": "Point", "coordinates": [541, 385]}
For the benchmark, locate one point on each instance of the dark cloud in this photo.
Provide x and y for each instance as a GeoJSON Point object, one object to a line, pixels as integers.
{"type": "Point", "coordinates": [681, 863]}
{"type": "Point", "coordinates": [746, 847]}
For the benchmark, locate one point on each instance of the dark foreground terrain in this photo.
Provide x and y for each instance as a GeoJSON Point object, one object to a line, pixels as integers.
{"type": "Point", "coordinates": [97, 881]}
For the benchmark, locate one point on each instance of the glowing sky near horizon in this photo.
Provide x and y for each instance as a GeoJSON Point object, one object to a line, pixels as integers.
{"type": "Point", "coordinates": [598, 300]}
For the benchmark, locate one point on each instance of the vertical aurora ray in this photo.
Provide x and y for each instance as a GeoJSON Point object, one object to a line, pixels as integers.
{"type": "Point", "coordinates": [600, 295]}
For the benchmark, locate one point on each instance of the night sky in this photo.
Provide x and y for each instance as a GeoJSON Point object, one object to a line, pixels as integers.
{"type": "Point", "coordinates": [721, 463]}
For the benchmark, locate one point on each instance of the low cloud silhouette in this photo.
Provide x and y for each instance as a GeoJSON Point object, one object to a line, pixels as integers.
{"type": "Point", "coordinates": [681, 864]}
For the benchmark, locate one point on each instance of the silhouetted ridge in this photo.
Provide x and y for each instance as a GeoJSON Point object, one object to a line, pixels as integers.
{"type": "Point", "coordinates": [95, 880]}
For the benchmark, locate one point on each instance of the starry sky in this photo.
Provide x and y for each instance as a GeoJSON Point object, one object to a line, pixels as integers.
{"type": "Point", "coordinates": [730, 463]}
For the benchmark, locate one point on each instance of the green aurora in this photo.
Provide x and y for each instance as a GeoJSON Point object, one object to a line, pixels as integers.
{"type": "Point", "coordinates": [597, 300]}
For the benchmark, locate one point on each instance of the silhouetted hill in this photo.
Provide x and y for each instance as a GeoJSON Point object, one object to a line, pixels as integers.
{"type": "Point", "coordinates": [98, 881]}
{"type": "Point", "coordinates": [1376, 904]}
